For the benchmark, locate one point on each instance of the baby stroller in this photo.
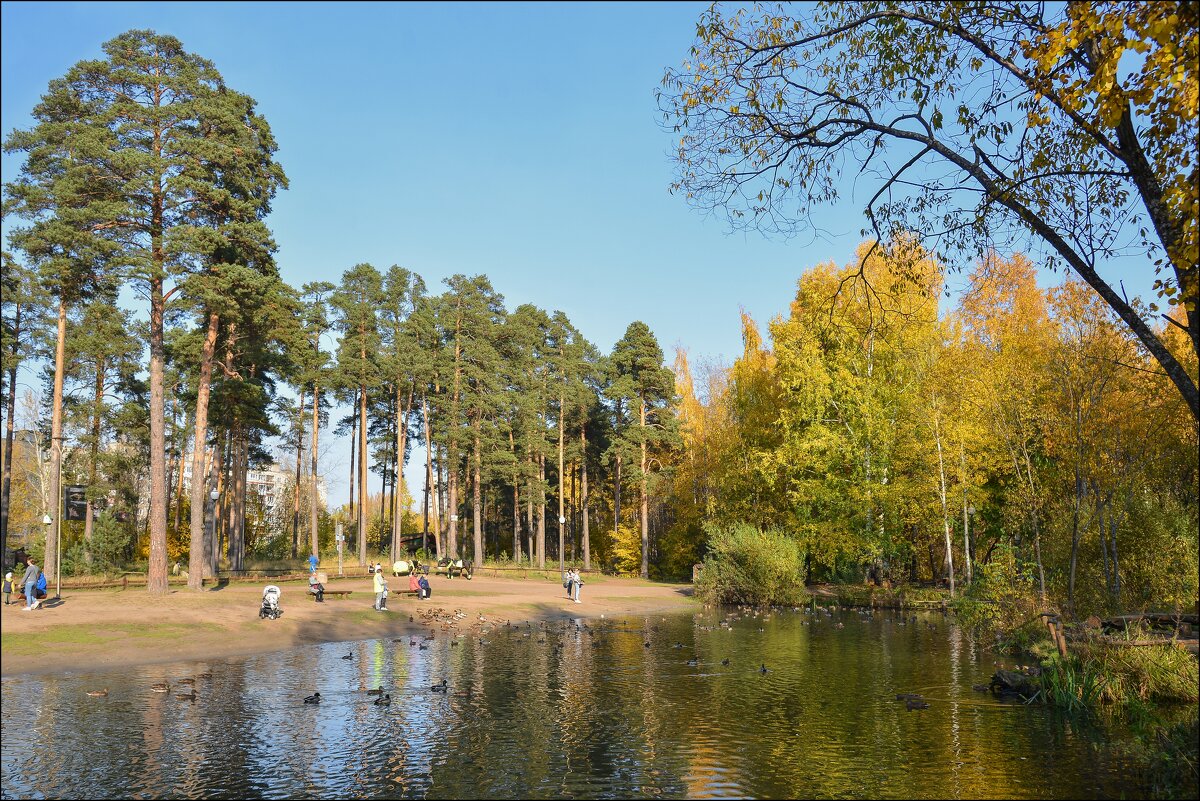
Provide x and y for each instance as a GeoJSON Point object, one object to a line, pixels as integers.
{"type": "Point", "coordinates": [270, 603]}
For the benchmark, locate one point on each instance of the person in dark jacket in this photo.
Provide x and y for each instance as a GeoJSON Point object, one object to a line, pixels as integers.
{"type": "Point", "coordinates": [423, 583]}
{"type": "Point", "coordinates": [32, 571]}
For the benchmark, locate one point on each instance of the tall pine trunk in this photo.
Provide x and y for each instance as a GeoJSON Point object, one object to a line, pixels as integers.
{"type": "Point", "coordinates": [237, 528]}
{"type": "Point", "coordinates": [587, 545]}
{"type": "Point", "coordinates": [572, 524]}
{"type": "Point", "coordinates": [452, 430]}
{"type": "Point", "coordinates": [617, 500]}
{"type": "Point", "coordinates": [314, 538]}
{"type": "Point", "coordinates": [156, 578]}
{"type": "Point", "coordinates": [353, 452]}
{"type": "Point", "coordinates": [50, 568]}
{"type": "Point", "coordinates": [476, 501]}
{"type": "Point", "coordinates": [453, 503]}
{"type": "Point", "coordinates": [430, 487]}
{"type": "Point", "coordinates": [296, 486]}
{"type": "Point", "coordinates": [645, 499]}
{"type": "Point", "coordinates": [363, 520]}
{"type": "Point", "coordinates": [443, 520]}
{"type": "Point", "coordinates": [223, 458]}
{"type": "Point", "coordinates": [512, 444]}
{"type": "Point", "coordinates": [541, 522]}
{"type": "Point", "coordinates": [561, 426]}
{"type": "Point", "coordinates": [196, 553]}
{"type": "Point", "coordinates": [530, 548]}
{"type": "Point", "coordinates": [401, 444]}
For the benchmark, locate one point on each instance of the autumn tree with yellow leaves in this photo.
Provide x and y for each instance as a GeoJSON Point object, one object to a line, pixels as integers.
{"type": "Point", "coordinates": [979, 125]}
{"type": "Point", "coordinates": [894, 441]}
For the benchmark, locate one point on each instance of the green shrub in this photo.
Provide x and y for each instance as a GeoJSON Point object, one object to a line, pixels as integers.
{"type": "Point", "coordinates": [111, 541]}
{"type": "Point", "coordinates": [748, 566]}
{"type": "Point", "coordinates": [1001, 597]}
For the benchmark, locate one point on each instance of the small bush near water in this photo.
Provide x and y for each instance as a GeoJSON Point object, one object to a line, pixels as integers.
{"type": "Point", "coordinates": [747, 566]}
{"type": "Point", "coordinates": [1111, 674]}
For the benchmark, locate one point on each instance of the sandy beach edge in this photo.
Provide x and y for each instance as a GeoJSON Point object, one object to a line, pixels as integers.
{"type": "Point", "coordinates": [98, 630]}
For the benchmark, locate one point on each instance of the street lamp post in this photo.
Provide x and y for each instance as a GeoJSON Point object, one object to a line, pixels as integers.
{"type": "Point", "coordinates": [341, 538]}
{"type": "Point", "coordinates": [46, 520]}
{"type": "Point", "coordinates": [562, 567]}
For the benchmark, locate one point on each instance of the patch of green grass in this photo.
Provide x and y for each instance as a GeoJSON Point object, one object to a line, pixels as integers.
{"type": "Point", "coordinates": [24, 645]}
{"type": "Point", "coordinates": [369, 616]}
{"type": "Point", "coordinates": [88, 635]}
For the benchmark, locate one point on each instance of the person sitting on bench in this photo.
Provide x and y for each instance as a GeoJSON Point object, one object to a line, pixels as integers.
{"type": "Point", "coordinates": [316, 587]}
{"type": "Point", "coordinates": [423, 583]}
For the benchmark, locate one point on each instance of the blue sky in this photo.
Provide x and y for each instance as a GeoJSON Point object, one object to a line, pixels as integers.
{"type": "Point", "coordinates": [517, 140]}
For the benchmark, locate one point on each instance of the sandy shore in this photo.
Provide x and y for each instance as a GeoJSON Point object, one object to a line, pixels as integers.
{"type": "Point", "coordinates": [97, 629]}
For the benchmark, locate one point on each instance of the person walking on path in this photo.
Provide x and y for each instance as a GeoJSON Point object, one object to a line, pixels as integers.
{"type": "Point", "coordinates": [32, 571]}
{"type": "Point", "coordinates": [576, 583]}
{"type": "Point", "coordinates": [313, 561]}
{"type": "Point", "coordinates": [380, 590]}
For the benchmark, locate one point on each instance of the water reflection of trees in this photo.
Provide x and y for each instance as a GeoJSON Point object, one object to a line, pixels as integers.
{"type": "Point", "coordinates": [589, 711]}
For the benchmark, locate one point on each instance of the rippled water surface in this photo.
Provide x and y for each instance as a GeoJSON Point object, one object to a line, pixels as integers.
{"type": "Point", "coordinates": [577, 709]}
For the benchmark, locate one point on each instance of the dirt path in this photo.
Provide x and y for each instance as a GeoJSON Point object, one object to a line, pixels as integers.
{"type": "Point", "coordinates": [90, 629]}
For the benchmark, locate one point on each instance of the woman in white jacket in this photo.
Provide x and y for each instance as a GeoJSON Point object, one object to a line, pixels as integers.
{"type": "Point", "coordinates": [380, 590]}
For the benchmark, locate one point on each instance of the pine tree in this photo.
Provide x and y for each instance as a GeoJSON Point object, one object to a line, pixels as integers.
{"type": "Point", "coordinates": [312, 360]}
{"type": "Point", "coordinates": [402, 294]}
{"type": "Point", "coordinates": [473, 316]}
{"type": "Point", "coordinates": [162, 143]}
{"type": "Point", "coordinates": [646, 389]}
{"type": "Point", "coordinates": [356, 303]}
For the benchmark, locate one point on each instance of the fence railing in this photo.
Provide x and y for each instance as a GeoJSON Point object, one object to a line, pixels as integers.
{"type": "Point", "coordinates": [136, 579]}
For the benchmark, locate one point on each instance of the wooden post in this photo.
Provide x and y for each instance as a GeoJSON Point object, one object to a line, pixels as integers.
{"type": "Point", "coordinates": [1056, 632]}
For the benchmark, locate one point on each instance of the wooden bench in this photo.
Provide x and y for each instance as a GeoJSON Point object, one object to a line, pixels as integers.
{"type": "Point", "coordinates": [339, 593]}
{"type": "Point", "coordinates": [456, 568]}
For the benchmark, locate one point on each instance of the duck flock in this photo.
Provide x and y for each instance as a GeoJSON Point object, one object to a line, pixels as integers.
{"type": "Point", "coordinates": [454, 624]}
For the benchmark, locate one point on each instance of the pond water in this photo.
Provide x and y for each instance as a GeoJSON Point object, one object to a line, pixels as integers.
{"type": "Point", "coordinates": [577, 709]}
